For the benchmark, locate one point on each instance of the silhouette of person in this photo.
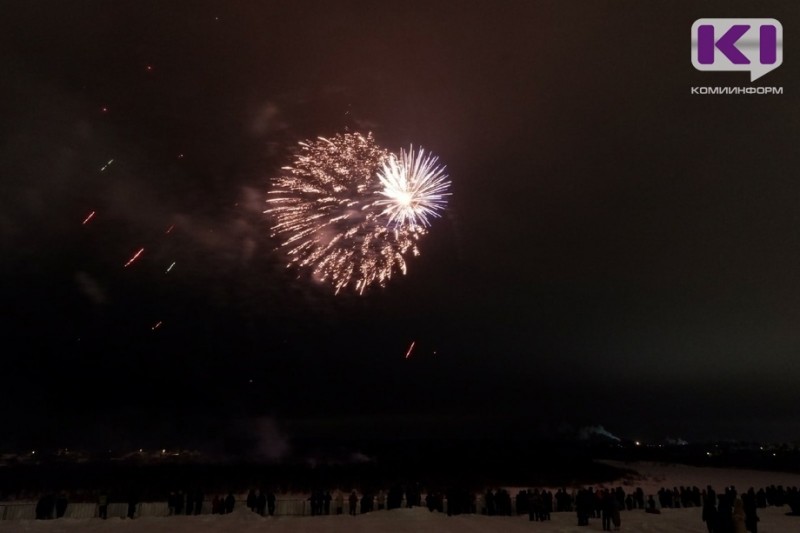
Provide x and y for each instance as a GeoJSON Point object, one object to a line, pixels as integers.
{"type": "Point", "coordinates": [102, 505]}
{"type": "Point", "coordinates": [353, 503]}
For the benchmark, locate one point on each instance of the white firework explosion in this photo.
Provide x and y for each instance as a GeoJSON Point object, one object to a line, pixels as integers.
{"type": "Point", "coordinates": [414, 187]}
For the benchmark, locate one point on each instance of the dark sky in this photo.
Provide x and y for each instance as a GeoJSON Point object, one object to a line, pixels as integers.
{"type": "Point", "coordinates": [616, 251]}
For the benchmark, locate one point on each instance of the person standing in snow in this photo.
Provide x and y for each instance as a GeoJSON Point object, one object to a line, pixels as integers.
{"type": "Point", "coordinates": [179, 501]}
{"type": "Point", "coordinates": [710, 510]}
{"type": "Point", "coordinates": [738, 516]}
{"type": "Point", "coordinates": [724, 514]}
{"type": "Point", "coordinates": [133, 501]}
{"type": "Point", "coordinates": [366, 503]}
{"type": "Point", "coordinates": [44, 507]}
{"type": "Point", "coordinates": [651, 506]}
{"type": "Point", "coordinates": [750, 504]}
{"type": "Point", "coordinates": [353, 503]}
{"type": "Point", "coordinates": [261, 502]}
{"type": "Point", "coordinates": [339, 502]}
{"type": "Point", "coordinates": [616, 518]}
{"type": "Point", "coordinates": [102, 505]}
{"type": "Point", "coordinates": [583, 505]}
{"type": "Point", "coordinates": [252, 500]}
{"type": "Point", "coordinates": [189, 502]}
{"type": "Point", "coordinates": [198, 502]}
{"type": "Point", "coordinates": [381, 500]}
{"type": "Point", "coordinates": [61, 504]}
{"type": "Point", "coordinates": [607, 509]}
{"type": "Point", "coordinates": [491, 509]}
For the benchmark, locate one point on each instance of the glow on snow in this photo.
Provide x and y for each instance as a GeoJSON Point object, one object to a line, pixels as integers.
{"type": "Point", "coordinates": [351, 212]}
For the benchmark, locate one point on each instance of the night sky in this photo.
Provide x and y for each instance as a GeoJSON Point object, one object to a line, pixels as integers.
{"type": "Point", "coordinates": [616, 251]}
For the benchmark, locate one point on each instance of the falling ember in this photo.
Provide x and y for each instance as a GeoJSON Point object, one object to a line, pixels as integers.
{"type": "Point", "coordinates": [156, 326]}
{"type": "Point", "coordinates": [170, 267]}
{"type": "Point", "coordinates": [106, 165]}
{"type": "Point", "coordinates": [134, 258]}
{"type": "Point", "coordinates": [87, 219]}
{"type": "Point", "coordinates": [169, 229]}
{"type": "Point", "coordinates": [410, 349]}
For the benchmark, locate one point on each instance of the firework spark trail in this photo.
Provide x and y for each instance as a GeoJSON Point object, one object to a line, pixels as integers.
{"type": "Point", "coordinates": [169, 230]}
{"type": "Point", "coordinates": [134, 258]}
{"type": "Point", "coordinates": [410, 349]}
{"type": "Point", "coordinates": [157, 325]}
{"type": "Point", "coordinates": [170, 267]}
{"type": "Point", "coordinates": [88, 218]}
{"type": "Point", "coordinates": [106, 165]}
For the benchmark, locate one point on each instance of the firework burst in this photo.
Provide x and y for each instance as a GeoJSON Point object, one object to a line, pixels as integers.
{"type": "Point", "coordinates": [414, 187]}
{"type": "Point", "coordinates": [352, 212]}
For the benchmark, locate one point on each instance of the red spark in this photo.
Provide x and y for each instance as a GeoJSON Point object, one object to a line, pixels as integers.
{"type": "Point", "coordinates": [90, 217]}
{"type": "Point", "coordinates": [156, 326]}
{"type": "Point", "coordinates": [134, 258]}
{"type": "Point", "coordinates": [169, 230]}
{"type": "Point", "coordinates": [410, 349]}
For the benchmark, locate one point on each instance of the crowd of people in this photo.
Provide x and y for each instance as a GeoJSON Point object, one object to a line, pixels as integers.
{"type": "Point", "coordinates": [726, 512]}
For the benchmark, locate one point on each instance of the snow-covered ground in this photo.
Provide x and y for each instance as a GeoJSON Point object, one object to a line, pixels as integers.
{"type": "Point", "coordinates": [653, 476]}
{"type": "Point", "coordinates": [416, 520]}
{"type": "Point", "coordinates": [419, 520]}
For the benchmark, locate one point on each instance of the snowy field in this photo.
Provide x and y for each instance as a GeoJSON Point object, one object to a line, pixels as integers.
{"type": "Point", "coordinates": [653, 476]}
{"type": "Point", "coordinates": [416, 520]}
{"type": "Point", "coordinates": [419, 520]}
